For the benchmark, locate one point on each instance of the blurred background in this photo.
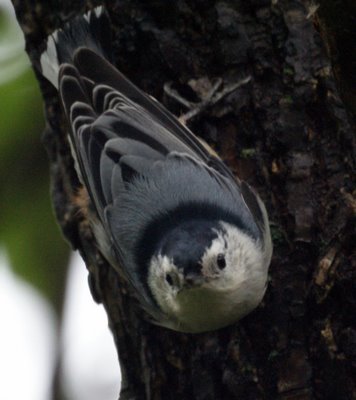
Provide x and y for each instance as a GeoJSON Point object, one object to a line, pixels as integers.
{"type": "Point", "coordinates": [48, 318]}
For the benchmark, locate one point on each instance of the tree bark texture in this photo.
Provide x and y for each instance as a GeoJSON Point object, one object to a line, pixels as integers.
{"type": "Point", "coordinates": [288, 134]}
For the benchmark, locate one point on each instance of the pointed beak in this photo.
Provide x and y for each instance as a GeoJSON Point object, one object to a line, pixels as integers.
{"type": "Point", "coordinates": [193, 279]}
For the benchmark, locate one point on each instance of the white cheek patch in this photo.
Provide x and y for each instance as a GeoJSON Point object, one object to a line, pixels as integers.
{"type": "Point", "coordinates": [209, 259]}
{"type": "Point", "coordinates": [164, 293]}
{"type": "Point", "coordinates": [159, 267]}
{"type": "Point", "coordinates": [242, 255]}
{"type": "Point", "coordinates": [244, 258]}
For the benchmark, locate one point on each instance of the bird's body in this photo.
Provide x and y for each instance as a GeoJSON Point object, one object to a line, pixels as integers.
{"type": "Point", "coordinates": [192, 240]}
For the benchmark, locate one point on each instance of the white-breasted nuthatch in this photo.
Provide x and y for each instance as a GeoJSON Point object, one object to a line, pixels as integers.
{"type": "Point", "coordinates": [192, 240]}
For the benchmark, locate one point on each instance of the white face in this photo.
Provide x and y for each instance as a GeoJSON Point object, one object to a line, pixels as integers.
{"type": "Point", "coordinates": [232, 283]}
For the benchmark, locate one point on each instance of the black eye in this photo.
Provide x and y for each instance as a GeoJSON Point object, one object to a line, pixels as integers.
{"type": "Point", "coordinates": [221, 261]}
{"type": "Point", "coordinates": [169, 279]}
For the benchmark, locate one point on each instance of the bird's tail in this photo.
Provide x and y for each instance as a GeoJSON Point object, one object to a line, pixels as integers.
{"type": "Point", "coordinates": [91, 30]}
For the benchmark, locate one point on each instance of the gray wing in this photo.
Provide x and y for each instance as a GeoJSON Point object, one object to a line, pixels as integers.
{"type": "Point", "coordinates": [103, 105]}
{"type": "Point", "coordinates": [119, 133]}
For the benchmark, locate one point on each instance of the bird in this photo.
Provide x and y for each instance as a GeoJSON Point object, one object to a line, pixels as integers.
{"type": "Point", "coordinates": [191, 239]}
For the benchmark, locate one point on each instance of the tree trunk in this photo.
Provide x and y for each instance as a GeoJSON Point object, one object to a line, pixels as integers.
{"type": "Point", "coordinates": [287, 133]}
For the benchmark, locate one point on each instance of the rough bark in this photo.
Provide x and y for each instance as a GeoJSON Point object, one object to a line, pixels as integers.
{"type": "Point", "coordinates": [288, 134]}
{"type": "Point", "coordinates": [336, 22]}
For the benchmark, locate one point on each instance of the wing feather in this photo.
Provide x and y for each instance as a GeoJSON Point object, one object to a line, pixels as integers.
{"type": "Point", "coordinates": [134, 147]}
{"type": "Point", "coordinates": [119, 132]}
{"type": "Point", "coordinates": [117, 182]}
{"type": "Point", "coordinates": [94, 67]}
{"type": "Point", "coordinates": [107, 166]}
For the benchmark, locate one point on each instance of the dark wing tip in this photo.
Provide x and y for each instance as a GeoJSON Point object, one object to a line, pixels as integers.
{"type": "Point", "coordinates": [71, 92]}
{"type": "Point", "coordinates": [85, 58]}
{"type": "Point", "coordinates": [252, 203]}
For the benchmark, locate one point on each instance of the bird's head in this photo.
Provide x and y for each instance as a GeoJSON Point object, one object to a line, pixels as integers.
{"type": "Point", "coordinates": [206, 274]}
